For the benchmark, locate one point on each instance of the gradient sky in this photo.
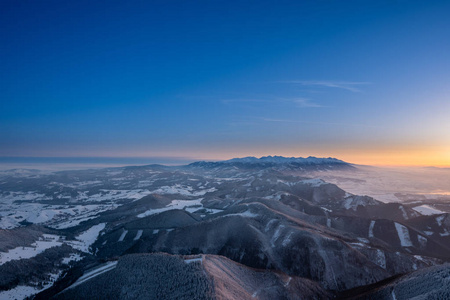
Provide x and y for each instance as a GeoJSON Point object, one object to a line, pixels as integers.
{"type": "Point", "coordinates": [363, 81]}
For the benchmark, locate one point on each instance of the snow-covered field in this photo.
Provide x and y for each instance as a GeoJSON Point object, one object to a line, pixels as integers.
{"type": "Point", "coordinates": [24, 291]}
{"type": "Point", "coordinates": [83, 242]}
{"type": "Point", "coordinates": [189, 205]}
{"type": "Point", "coordinates": [427, 210]}
{"type": "Point", "coordinates": [182, 190]}
{"type": "Point", "coordinates": [62, 203]}
{"type": "Point", "coordinates": [48, 241]}
{"type": "Point", "coordinates": [19, 292]}
{"type": "Point", "coordinates": [17, 207]}
{"type": "Point", "coordinates": [114, 195]}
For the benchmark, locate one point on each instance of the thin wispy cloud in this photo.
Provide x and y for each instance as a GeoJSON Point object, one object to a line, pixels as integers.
{"type": "Point", "coordinates": [250, 100]}
{"type": "Point", "coordinates": [316, 123]}
{"type": "Point", "coordinates": [352, 86]}
{"type": "Point", "coordinates": [298, 101]}
{"type": "Point", "coordinates": [303, 102]}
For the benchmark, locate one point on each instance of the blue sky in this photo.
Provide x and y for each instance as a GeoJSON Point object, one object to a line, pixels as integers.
{"type": "Point", "coordinates": [365, 81]}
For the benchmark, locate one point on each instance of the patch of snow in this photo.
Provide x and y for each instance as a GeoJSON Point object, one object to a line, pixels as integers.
{"type": "Point", "coordinates": [422, 240]}
{"type": "Point", "coordinates": [289, 281]}
{"type": "Point", "coordinates": [74, 216]}
{"type": "Point", "coordinates": [358, 245]}
{"type": "Point", "coordinates": [114, 195]}
{"type": "Point", "coordinates": [71, 223]}
{"type": "Point", "coordinates": [175, 204]}
{"type": "Point", "coordinates": [405, 215]}
{"type": "Point", "coordinates": [326, 209]}
{"type": "Point", "coordinates": [348, 203]}
{"type": "Point", "coordinates": [155, 231]}
{"type": "Point", "coordinates": [288, 183]}
{"type": "Point", "coordinates": [372, 224]}
{"type": "Point", "coordinates": [122, 236]}
{"type": "Point", "coordinates": [138, 235]}
{"type": "Point", "coordinates": [354, 201]}
{"type": "Point", "coordinates": [403, 235]}
{"type": "Point", "coordinates": [427, 210]}
{"type": "Point", "coordinates": [440, 219]}
{"type": "Point", "coordinates": [87, 238]}
{"type": "Point", "coordinates": [93, 273]}
{"type": "Point", "coordinates": [247, 214]}
{"type": "Point", "coordinates": [276, 235]}
{"type": "Point", "coordinates": [418, 257]}
{"type": "Point", "coordinates": [249, 184]}
{"type": "Point", "coordinates": [380, 259]}
{"type": "Point", "coordinates": [191, 260]}
{"type": "Point", "coordinates": [429, 232]}
{"type": "Point", "coordinates": [72, 257]}
{"type": "Point", "coordinates": [81, 184]}
{"type": "Point", "coordinates": [276, 196]}
{"type": "Point", "coordinates": [314, 182]}
{"type": "Point", "coordinates": [23, 196]}
{"type": "Point", "coordinates": [446, 233]}
{"type": "Point", "coordinates": [287, 239]}
{"type": "Point", "coordinates": [269, 224]}
{"type": "Point", "coordinates": [144, 183]}
{"type": "Point", "coordinates": [213, 210]}
{"type": "Point", "coordinates": [114, 173]}
{"type": "Point", "coordinates": [182, 190]}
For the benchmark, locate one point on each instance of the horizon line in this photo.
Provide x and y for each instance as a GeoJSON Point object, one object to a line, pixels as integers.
{"type": "Point", "coordinates": [185, 159]}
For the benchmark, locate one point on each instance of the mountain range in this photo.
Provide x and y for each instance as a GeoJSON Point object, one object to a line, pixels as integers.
{"type": "Point", "coordinates": [245, 228]}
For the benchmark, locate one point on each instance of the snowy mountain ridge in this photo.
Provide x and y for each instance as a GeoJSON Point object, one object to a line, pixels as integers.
{"type": "Point", "coordinates": [286, 160]}
{"type": "Point", "coordinates": [279, 162]}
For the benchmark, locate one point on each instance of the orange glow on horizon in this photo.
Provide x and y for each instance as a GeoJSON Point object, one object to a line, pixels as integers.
{"type": "Point", "coordinates": [398, 157]}
{"type": "Point", "coordinates": [375, 157]}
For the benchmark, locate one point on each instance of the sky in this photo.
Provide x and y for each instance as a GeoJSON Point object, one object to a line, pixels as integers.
{"type": "Point", "coordinates": [363, 81]}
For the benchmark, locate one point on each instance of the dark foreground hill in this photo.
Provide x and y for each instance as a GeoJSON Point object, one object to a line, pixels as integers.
{"type": "Point", "coordinates": [430, 283]}
{"type": "Point", "coordinates": [163, 276]}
